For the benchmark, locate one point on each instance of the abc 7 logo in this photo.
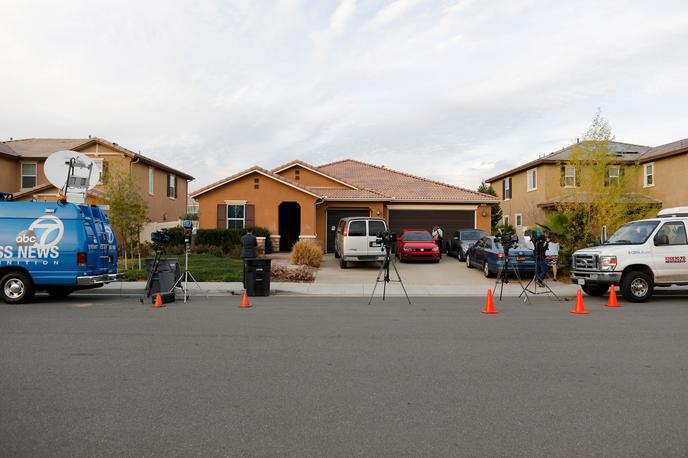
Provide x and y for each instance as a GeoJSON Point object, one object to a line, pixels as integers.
{"type": "Point", "coordinates": [50, 229]}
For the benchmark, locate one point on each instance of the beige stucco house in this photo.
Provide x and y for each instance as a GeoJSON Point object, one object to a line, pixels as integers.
{"type": "Point", "coordinates": [21, 173]}
{"type": "Point", "coordinates": [530, 191]}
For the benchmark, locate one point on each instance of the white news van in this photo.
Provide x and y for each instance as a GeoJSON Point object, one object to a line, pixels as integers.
{"type": "Point", "coordinates": [640, 256]}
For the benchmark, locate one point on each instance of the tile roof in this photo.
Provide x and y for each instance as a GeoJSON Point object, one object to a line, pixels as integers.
{"type": "Point", "coordinates": [632, 197]}
{"type": "Point", "coordinates": [668, 149]}
{"type": "Point", "coordinates": [44, 147]}
{"type": "Point", "coordinates": [342, 193]}
{"type": "Point", "coordinates": [314, 168]}
{"type": "Point", "coordinates": [255, 168]}
{"type": "Point", "coordinates": [400, 185]}
{"type": "Point", "coordinates": [624, 152]}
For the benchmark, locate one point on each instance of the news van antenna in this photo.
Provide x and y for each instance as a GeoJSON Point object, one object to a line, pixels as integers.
{"type": "Point", "coordinates": [73, 173]}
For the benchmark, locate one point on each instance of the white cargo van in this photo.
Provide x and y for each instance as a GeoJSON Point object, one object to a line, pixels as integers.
{"type": "Point", "coordinates": [356, 240]}
{"type": "Point", "coordinates": [640, 256]}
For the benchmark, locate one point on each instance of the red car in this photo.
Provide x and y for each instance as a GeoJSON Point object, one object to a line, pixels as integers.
{"type": "Point", "coordinates": [416, 245]}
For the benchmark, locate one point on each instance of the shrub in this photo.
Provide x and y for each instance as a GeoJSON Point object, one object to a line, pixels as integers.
{"type": "Point", "coordinates": [229, 240]}
{"type": "Point", "coordinates": [306, 253]}
{"type": "Point", "coordinates": [280, 272]}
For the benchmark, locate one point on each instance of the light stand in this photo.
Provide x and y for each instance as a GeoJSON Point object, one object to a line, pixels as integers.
{"type": "Point", "coordinates": [503, 277]}
{"type": "Point", "coordinates": [384, 269]}
{"type": "Point", "coordinates": [183, 280]}
{"type": "Point", "coordinates": [539, 249]}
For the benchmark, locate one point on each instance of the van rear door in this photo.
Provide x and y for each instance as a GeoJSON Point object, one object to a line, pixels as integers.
{"type": "Point", "coordinates": [375, 226]}
{"type": "Point", "coordinates": [356, 241]}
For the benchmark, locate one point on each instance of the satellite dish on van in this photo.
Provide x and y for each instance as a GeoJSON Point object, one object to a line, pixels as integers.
{"type": "Point", "coordinates": [73, 173]}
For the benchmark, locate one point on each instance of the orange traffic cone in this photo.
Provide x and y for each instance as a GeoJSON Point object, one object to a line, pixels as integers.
{"type": "Point", "coordinates": [580, 306]}
{"type": "Point", "coordinates": [489, 303]}
{"type": "Point", "coordinates": [244, 302]}
{"type": "Point", "coordinates": [612, 297]}
{"type": "Point", "coordinates": [158, 301]}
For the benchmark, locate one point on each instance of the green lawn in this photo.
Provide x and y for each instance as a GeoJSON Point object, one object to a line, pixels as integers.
{"type": "Point", "coordinates": [204, 267]}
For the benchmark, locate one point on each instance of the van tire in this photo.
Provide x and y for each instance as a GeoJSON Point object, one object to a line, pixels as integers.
{"type": "Point", "coordinates": [336, 255]}
{"type": "Point", "coordinates": [60, 292]}
{"type": "Point", "coordinates": [12, 281]}
{"type": "Point", "coordinates": [636, 286]}
{"type": "Point", "coordinates": [343, 264]}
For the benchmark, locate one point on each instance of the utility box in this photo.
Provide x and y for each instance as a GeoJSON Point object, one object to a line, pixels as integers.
{"type": "Point", "coordinates": [258, 277]}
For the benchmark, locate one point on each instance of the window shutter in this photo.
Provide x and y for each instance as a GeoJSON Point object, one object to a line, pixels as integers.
{"type": "Point", "coordinates": [511, 188]}
{"type": "Point", "coordinates": [606, 177]}
{"type": "Point", "coordinates": [168, 186]}
{"type": "Point", "coordinates": [577, 177]}
{"type": "Point", "coordinates": [562, 179]}
{"type": "Point", "coordinates": [249, 215]}
{"type": "Point", "coordinates": [222, 216]}
{"type": "Point", "coordinates": [504, 189]}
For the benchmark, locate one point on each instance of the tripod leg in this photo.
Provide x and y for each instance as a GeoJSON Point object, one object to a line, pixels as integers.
{"type": "Point", "coordinates": [526, 298]}
{"type": "Point", "coordinates": [377, 280]}
{"type": "Point", "coordinates": [401, 282]}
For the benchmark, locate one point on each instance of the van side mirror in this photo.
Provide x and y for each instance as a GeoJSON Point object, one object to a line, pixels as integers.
{"type": "Point", "coordinates": [661, 240]}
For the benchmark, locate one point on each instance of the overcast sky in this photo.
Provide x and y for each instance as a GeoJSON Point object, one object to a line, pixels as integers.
{"type": "Point", "coordinates": [450, 89]}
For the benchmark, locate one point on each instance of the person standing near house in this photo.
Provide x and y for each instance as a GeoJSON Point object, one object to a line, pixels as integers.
{"type": "Point", "coordinates": [248, 250]}
{"type": "Point", "coordinates": [552, 256]}
{"type": "Point", "coordinates": [438, 236]}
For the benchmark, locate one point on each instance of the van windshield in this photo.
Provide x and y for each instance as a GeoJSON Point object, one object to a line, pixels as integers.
{"type": "Point", "coordinates": [635, 233]}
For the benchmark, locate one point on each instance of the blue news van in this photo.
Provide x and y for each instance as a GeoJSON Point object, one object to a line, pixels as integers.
{"type": "Point", "coordinates": [57, 247]}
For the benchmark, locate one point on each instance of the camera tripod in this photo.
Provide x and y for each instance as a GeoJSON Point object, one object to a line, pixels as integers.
{"type": "Point", "coordinates": [384, 269]}
{"type": "Point", "coordinates": [535, 282]}
{"type": "Point", "coordinates": [183, 280]}
{"type": "Point", "coordinates": [503, 277]}
{"type": "Point", "coordinates": [153, 270]}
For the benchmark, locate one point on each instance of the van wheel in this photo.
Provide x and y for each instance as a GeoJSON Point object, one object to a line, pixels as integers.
{"type": "Point", "coordinates": [16, 288]}
{"type": "Point", "coordinates": [336, 255]}
{"type": "Point", "coordinates": [343, 264]}
{"type": "Point", "coordinates": [59, 292]}
{"type": "Point", "coordinates": [636, 286]}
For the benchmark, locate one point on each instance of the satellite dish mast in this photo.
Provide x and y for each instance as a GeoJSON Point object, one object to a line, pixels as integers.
{"type": "Point", "coordinates": [73, 173]}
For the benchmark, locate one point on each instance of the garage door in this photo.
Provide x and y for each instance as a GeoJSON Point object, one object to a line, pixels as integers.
{"type": "Point", "coordinates": [448, 220]}
{"type": "Point", "coordinates": [333, 217]}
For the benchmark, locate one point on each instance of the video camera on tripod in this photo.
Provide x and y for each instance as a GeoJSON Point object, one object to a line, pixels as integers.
{"type": "Point", "coordinates": [507, 239]}
{"type": "Point", "coordinates": [386, 239]}
{"type": "Point", "coordinates": [160, 239]}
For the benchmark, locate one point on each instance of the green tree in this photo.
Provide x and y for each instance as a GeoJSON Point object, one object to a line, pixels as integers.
{"type": "Point", "coordinates": [127, 211]}
{"type": "Point", "coordinates": [604, 193]}
{"type": "Point", "coordinates": [496, 214]}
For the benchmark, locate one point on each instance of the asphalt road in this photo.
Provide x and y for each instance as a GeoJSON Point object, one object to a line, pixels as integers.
{"type": "Point", "coordinates": [293, 376]}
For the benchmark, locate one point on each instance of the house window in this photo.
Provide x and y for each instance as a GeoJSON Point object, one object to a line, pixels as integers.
{"type": "Point", "coordinates": [256, 183]}
{"type": "Point", "coordinates": [649, 175]}
{"type": "Point", "coordinates": [507, 188]}
{"type": "Point", "coordinates": [613, 175]}
{"type": "Point", "coordinates": [506, 220]}
{"type": "Point", "coordinates": [297, 174]}
{"type": "Point", "coordinates": [29, 175]}
{"type": "Point", "coordinates": [570, 176]}
{"type": "Point", "coordinates": [519, 220]}
{"type": "Point", "coordinates": [151, 180]}
{"type": "Point", "coordinates": [171, 186]}
{"type": "Point", "coordinates": [532, 180]}
{"type": "Point", "coordinates": [236, 216]}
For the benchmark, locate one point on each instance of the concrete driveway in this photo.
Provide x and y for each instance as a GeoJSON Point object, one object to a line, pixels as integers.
{"type": "Point", "coordinates": [449, 277]}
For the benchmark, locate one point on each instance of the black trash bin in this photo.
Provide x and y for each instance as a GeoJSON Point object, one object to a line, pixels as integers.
{"type": "Point", "coordinates": [166, 276]}
{"type": "Point", "coordinates": [257, 277]}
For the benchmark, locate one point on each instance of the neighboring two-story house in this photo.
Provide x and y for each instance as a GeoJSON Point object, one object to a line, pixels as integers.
{"type": "Point", "coordinates": [530, 191]}
{"type": "Point", "coordinates": [162, 187]}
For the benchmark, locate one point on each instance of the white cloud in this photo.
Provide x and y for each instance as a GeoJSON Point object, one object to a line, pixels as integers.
{"type": "Point", "coordinates": [455, 90]}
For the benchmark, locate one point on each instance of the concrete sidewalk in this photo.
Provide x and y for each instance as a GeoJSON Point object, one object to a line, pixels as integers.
{"type": "Point", "coordinates": [357, 289]}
